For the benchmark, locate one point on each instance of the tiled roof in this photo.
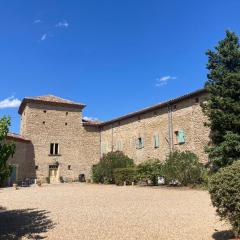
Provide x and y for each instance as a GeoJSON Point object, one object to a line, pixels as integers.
{"type": "Point", "coordinates": [90, 122]}
{"type": "Point", "coordinates": [50, 100]}
{"type": "Point", "coordinates": [16, 137]}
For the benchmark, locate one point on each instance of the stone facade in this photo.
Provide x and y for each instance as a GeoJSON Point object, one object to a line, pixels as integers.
{"type": "Point", "coordinates": [51, 120]}
{"type": "Point", "coordinates": [22, 160]}
{"type": "Point", "coordinates": [185, 114]}
{"type": "Point", "coordinates": [78, 145]}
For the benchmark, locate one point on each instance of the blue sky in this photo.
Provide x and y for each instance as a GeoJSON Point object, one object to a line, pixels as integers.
{"type": "Point", "coordinates": [115, 56]}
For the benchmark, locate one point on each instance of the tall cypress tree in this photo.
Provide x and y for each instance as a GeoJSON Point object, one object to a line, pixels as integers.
{"type": "Point", "coordinates": [223, 105]}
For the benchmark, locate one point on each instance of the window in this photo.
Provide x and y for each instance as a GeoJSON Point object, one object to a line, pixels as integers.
{"type": "Point", "coordinates": [156, 140]}
{"type": "Point", "coordinates": [104, 148]}
{"type": "Point", "coordinates": [54, 149]}
{"type": "Point", "coordinates": [119, 145]}
{"type": "Point", "coordinates": [36, 167]}
{"type": "Point", "coordinates": [69, 167]}
{"type": "Point", "coordinates": [180, 135]}
{"type": "Point", "coordinates": [44, 111]}
{"type": "Point", "coordinates": [43, 122]}
{"type": "Point", "coordinates": [139, 143]}
{"type": "Point", "coordinates": [65, 124]}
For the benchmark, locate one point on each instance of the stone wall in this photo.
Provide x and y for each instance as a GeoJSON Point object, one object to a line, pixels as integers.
{"type": "Point", "coordinates": [81, 145]}
{"type": "Point", "coordinates": [78, 145]}
{"type": "Point", "coordinates": [186, 115]}
{"type": "Point", "coordinates": [23, 160]}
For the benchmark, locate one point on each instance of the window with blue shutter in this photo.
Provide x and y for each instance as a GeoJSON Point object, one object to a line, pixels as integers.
{"type": "Point", "coordinates": [156, 140]}
{"type": "Point", "coordinates": [181, 136]}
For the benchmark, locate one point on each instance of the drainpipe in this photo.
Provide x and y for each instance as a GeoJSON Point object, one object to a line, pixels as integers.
{"type": "Point", "coordinates": [100, 136]}
{"type": "Point", "coordinates": [112, 137]}
{"type": "Point", "coordinates": [170, 129]}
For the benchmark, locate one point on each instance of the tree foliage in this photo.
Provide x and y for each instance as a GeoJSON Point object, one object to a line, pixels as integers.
{"type": "Point", "coordinates": [223, 105]}
{"type": "Point", "coordinates": [103, 172]}
{"type": "Point", "coordinates": [183, 167]}
{"type": "Point", "coordinates": [150, 170]}
{"type": "Point", "coordinates": [224, 189]}
{"type": "Point", "coordinates": [127, 175]}
{"type": "Point", "coordinates": [7, 149]}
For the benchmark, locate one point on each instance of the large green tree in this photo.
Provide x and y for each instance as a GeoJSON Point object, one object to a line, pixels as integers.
{"type": "Point", "coordinates": [7, 149]}
{"type": "Point", "coordinates": [223, 105]}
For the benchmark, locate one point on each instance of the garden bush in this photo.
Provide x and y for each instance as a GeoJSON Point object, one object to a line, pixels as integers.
{"type": "Point", "coordinates": [224, 189]}
{"type": "Point", "coordinates": [127, 175]}
{"type": "Point", "coordinates": [150, 170]}
{"type": "Point", "coordinates": [183, 167]}
{"type": "Point", "coordinates": [103, 171]}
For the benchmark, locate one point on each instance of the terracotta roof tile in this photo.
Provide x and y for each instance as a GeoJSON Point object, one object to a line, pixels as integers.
{"type": "Point", "coordinates": [51, 100]}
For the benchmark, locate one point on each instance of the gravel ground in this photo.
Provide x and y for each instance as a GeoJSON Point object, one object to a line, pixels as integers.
{"type": "Point", "coordinates": [88, 211]}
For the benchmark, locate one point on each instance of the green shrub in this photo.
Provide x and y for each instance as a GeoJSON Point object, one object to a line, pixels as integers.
{"type": "Point", "coordinates": [103, 171]}
{"type": "Point", "coordinates": [183, 167]}
{"type": "Point", "coordinates": [150, 170]}
{"type": "Point", "coordinates": [224, 189]}
{"type": "Point", "coordinates": [127, 175]}
{"type": "Point", "coordinates": [47, 179]}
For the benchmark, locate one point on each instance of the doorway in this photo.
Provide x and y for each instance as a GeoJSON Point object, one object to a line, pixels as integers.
{"type": "Point", "coordinates": [53, 173]}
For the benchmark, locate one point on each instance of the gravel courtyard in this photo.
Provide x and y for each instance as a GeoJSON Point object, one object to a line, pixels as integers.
{"type": "Point", "coordinates": [87, 211]}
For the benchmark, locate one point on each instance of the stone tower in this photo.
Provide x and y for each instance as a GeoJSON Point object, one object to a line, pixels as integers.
{"type": "Point", "coordinates": [63, 146]}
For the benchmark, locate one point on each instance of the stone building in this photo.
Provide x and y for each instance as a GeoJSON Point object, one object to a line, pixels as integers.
{"type": "Point", "coordinates": [57, 142]}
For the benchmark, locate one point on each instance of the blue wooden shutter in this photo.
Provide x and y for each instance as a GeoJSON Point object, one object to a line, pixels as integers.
{"type": "Point", "coordinates": [156, 140]}
{"type": "Point", "coordinates": [181, 136]}
{"type": "Point", "coordinates": [142, 143]}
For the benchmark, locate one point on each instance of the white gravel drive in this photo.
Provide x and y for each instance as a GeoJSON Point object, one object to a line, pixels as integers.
{"type": "Point", "coordinates": [89, 211]}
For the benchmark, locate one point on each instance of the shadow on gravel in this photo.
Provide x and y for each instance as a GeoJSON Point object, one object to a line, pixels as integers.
{"type": "Point", "coordinates": [14, 224]}
{"type": "Point", "coordinates": [223, 235]}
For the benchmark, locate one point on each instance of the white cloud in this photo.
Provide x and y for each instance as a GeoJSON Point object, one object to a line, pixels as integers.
{"type": "Point", "coordinates": [62, 24]}
{"type": "Point", "coordinates": [44, 36]}
{"type": "Point", "coordinates": [10, 102]}
{"type": "Point", "coordinates": [37, 21]}
{"type": "Point", "coordinates": [164, 80]}
{"type": "Point", "coordinates": [89, 118]}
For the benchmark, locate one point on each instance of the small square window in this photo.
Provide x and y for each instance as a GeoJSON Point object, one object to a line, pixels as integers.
{"type": "Point", "coordinates": [66, 124]}
{"type": "Point", "coordinates": [54, 149]}
{"type": "Point", "coordinates": [69, 167]}
{"type": "Point", "coordinates": [36, 167]}
{"type": "Point", "coordinates": [43, 122]}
